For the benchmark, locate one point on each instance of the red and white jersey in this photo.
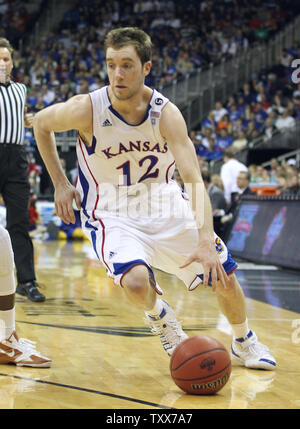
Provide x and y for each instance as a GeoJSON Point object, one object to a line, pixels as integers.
{"type": "Point", "coordinates": [124, 160]}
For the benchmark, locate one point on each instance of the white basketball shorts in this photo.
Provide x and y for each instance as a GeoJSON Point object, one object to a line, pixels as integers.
{"type": "Point", "coordinates": [121, 243]}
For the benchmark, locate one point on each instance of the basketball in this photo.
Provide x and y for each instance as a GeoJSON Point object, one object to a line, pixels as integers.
{"type": "Point", "coordinates": [200, 365]}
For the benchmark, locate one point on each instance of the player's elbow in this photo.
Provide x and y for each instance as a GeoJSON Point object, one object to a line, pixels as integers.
{"type": "Point", "coordinates": [38, 122]}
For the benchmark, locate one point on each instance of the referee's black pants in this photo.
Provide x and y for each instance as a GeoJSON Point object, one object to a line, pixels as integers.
{"type": "Point", "coordinates": [15, 190]}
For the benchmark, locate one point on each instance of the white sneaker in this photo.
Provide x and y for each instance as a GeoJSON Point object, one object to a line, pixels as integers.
{"type": "Point", "coordinates": [252, 353]}
{"type": "Point", "coordinates": [167, 328]}
{"type": "Point", "coordinates": [21, 352]}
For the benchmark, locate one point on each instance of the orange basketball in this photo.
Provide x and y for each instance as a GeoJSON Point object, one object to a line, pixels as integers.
{"type": "Point", "coordinates": [200, 365]}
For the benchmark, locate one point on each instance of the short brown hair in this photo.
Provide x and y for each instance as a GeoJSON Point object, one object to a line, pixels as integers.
{"type": "Point", "coordinates": [229, 152]}
{"type": "Point", "coordinates": [4, 43]}
{"type": "Point", "coordinates": [119, 37]}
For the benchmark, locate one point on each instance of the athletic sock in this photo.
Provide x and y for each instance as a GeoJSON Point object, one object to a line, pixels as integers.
{"type": "Point", "coordinates": [157, 310]}
{"type": "Point", "coordinates": [240, 330]}
{"type": "Point", "coordinates": [7, 286]}
{"type": "Point", "coordinates": [7, 323]}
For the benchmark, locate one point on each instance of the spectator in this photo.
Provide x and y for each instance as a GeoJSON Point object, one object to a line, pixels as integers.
{"type": "Point", "coordinates": [216, 194]}
{"type": "Point", "coordinates": [238, 126]}
{"type": "Point", "coordinates": [209, 122]}
{"type": "Point", "coordinates": [286, 58]}
{"type": "Point", "coordinates": [243, 188]}
{"type": "Point", "coordinates": [277, 106]}
{"type": "Point", "coordinates": [169, 69]}
{"type": "Point", "coordinates": [217, 199]}
{"type": "Point", "coordinates": [223, 141]}
{"type": "Point", "coordinates": [225, 123]}
{"type": "Point", "coordinates": [274, 170]}
{"type": "Point", "coordinates": [234, 113]}
{"type": "Point", "coordinates": [240, 142]}
{"type": "Point", "coordinates": [241, 105]}
{"type": "Point", "coordinates": [252, 168]}
{"type": "Point", "coordinates": [219, 112]}
{"type": "Point", "coordinates": [207, 136]}
{"type": "Point", "coordinates": [252, 132]}
{"type": "Point", "coordinates": [48, 95]}
{"type": "Point", "coordinates": [286, 122]}
{"type": "Point", "coordinates": [281, 183]}
{"type": "Point", "coordinates": [260, 114]}
{"type": "Point", "coordinates": [269, 129]}
{"type": "Point", "coordinates": [261, 175]}
{"type": "Point", "coordinates": [247, 94]}
{"type": "Point", "coordinates": [217, 181]}
{"type": "Point", "coordinates": [293, 187]}
{"type": "Point", "coordinates": [202, 162]}
{"type": "Point", "coordinates": [229, 172]}
{"type": "Point", "coordinates": [183, 64]}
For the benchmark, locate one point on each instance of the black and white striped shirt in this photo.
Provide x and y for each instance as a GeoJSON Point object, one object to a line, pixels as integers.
{"type": "Point", "coordinates": [12, 105]}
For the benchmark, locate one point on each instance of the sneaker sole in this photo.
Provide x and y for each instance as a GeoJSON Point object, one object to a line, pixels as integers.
{"type": "Point", "coordinates": [34, 365]}
{"type": "Point", "coordinates": [42, 365]}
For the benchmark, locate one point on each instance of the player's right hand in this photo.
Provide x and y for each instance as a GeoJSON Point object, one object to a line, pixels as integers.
{"type": "Point", "coordinates": [207, 256]}
{"type": "Point", "coordinates": [63, 198]}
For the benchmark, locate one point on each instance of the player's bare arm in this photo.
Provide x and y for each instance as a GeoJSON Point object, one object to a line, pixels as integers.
{"type": "Point", "coordinates": [173, 129]}
{"type": "Point", "coordinates": [75, 114]}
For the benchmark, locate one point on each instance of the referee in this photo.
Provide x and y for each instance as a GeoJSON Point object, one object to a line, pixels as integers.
{"type": "Point", "coordinates": [14, 183]}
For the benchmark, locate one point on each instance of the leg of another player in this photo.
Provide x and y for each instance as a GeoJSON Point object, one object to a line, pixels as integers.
{"type": "Point", "coordinates": [12, 350]}
{"type": "Point", "coordinates": [7, 286]}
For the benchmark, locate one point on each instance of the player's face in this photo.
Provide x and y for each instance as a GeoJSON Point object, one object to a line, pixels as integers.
{"type": "Point", "coordinates": [125, 71]}
{"type": "Point", "coordinates": [5, 59]}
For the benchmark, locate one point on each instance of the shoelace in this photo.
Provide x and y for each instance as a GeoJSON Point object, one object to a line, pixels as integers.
{"type": "Point", "coordinates": [256, 348]}
{"type": "Point", "coordinates": [168, 336]}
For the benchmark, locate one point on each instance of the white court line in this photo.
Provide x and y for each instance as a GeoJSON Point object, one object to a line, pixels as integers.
{"type": "Point", "coordinates": [251, 266]}
{"type": "Point", "coordinates": [263, 287]}
{"type": "Point", "coordinates": [272, 279]}
{"type": "Point", "coordinates": [262, 284]}
{"type": "Point", "coordinates": [273, 319]}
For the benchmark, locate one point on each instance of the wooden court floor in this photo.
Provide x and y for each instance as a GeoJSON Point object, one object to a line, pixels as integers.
{"type": "Point", "coordinates": [104, 357]}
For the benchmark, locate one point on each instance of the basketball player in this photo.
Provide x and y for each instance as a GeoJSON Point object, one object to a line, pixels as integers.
{"type": "Point", "coordinates": [13, 350]}
{"type": "Point", "coordinates": [129, 138]}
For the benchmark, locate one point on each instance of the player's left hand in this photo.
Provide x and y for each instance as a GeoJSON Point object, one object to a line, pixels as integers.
{"type": "Point", "coordinates": [28, 120]}
{"type": "Point", "coordinates": [207, 255]}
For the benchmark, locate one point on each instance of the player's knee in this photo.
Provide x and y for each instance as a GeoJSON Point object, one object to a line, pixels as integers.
{"type": "Point", "coordinates": [137, 279]}
{"type": "Point", "coordinates": [6, 253]}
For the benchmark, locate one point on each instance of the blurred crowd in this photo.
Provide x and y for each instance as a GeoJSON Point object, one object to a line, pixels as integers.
{"type": "Point", "coordinates": [17, 17]}
{"type": "Point", "coordinates": [71, 60]}
{"type": "Point", "coordinates": [268, 104]}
